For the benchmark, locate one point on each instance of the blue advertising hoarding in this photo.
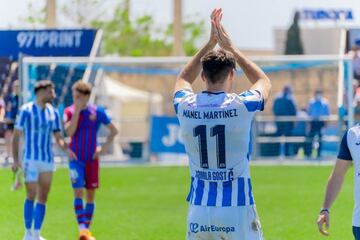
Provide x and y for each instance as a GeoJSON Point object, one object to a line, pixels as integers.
{"type": "Point", "coordinates": [165, 135]}
{"type": "Point", "coordinates": [47, 42]}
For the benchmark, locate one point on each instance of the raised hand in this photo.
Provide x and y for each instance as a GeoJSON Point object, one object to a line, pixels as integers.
{"type": "Point", "coordinates": [79, 104]}
{"type": "Point", "coordinates": [213, 33]}
{"type": "Point", "coordinates": [222, 35]}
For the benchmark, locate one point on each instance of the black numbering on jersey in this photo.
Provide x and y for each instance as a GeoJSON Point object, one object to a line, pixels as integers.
{"type": "Point", "coordinates": [217, 131]}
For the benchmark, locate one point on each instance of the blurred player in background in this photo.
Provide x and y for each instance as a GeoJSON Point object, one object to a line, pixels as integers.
{"type": "Point", "coordinates": [37, 121]}
{"type": "Point", "coordinates": [82, 122]}
{"type": "Point", "coordinates": [349, 153]}
{"type": "Point", "coordinates": [215, 126]}
{"type": "Point", "coordinates": [11, 110]}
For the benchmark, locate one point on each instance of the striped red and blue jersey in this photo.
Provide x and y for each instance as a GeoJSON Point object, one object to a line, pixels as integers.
{"type": "Point", "coordinates": [84, 140]}
{"type": "Point", "coordinates": [38, 124]}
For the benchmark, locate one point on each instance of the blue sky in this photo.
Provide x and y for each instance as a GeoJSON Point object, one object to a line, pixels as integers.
{"type": "Point", "coordinates": [250, 22]}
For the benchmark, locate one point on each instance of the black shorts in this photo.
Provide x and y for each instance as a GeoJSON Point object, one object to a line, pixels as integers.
{"type": "Point", "coordinates": [356, 232]}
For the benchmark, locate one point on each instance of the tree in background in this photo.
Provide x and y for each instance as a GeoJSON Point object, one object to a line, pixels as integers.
{"type": "Point", "coordinates": [122, 34]}
{"type": "Point", "coordinates": [293, 38]}
{"type": "Point", "coordinates": [36, 17]}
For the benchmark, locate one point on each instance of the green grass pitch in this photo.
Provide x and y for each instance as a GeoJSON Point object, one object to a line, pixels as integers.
{"type": "Point", "coordinates": [148, 203]}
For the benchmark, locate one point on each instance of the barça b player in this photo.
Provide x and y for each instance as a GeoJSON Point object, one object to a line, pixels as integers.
{"type": "Point", "coordinates": [215, 125]}
{"type": "Point", "coordinates": [38, 121]}
{"type": "Point", "coordinates": [82, 122]}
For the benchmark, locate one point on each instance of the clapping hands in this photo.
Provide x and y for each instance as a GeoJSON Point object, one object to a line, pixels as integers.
{"type": "Point", "coordinates": [218, 33]}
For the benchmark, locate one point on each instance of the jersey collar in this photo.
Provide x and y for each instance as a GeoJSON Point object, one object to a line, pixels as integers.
{"type": "Point", "coordinates": [216, 93]}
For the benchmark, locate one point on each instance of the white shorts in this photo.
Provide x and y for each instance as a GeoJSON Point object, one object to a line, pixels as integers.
{"type": "Point", "coordinates": [223, 223]}
{"type": "Point", "coordinates": [32, 169]}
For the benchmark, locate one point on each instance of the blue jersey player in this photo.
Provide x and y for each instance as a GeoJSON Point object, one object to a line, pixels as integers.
{"type": "Point", "coordinates": [38, 121]}
{"type": "Point", "coordinates": [215, 125]}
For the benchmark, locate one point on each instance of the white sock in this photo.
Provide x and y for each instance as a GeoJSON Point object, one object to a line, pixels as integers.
{"type": "Point", "coordinates": [82, 226]}
{"type": "Point", "coordinates": [36, 233]}
{"type": "Point", "coordinates": [28, 232]}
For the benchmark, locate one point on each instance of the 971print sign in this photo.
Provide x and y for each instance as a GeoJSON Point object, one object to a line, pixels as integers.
{"type": "Point", "coordinates": [166, 135]}
{"type": "Point", "coordinates": [49, 42]}
{"type": "Point", "coordinates": [49, 39]}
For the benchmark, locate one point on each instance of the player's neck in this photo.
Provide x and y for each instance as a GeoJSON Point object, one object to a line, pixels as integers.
{"type": "Point", "coordinates": [40, 103]}
{"type": "Point", "coordinates": [216, 88]}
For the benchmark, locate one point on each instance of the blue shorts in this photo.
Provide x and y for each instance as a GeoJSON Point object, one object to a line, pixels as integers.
{"type": "Point", "coordinates": [356, 232]}
{"type": "Point", "coordinates": [84, 174]}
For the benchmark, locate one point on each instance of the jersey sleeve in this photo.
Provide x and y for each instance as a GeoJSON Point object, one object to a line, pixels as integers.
{"type": "Point", "coordinates": [102, 116]}
{"type": "Point", "coordinates": [67, 115]}
{"type": "Point", "coordinates": [344, 152]}
{"type": "Point", "coordinates": [22, 119]}
{"type": "Point", "coordinates": [253, 100]}
{"type": "Point", "coordinates": [57, 126]}
{"type": "Point", "coordinates": [179, 96]}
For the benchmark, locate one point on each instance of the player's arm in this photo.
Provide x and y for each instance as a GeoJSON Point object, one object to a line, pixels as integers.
{"type": "Point", "coordinates": [334, 184]}
{"type": "Point", "coordinates": [59, 138]}
{"type": "Point", "coordinates": [109, 140]}
{"type": "Point", "coordinates": [15, 148]}
{"type": "Point", "coordinates": [71, 124]}
{"type": "Point", "coordinates": [253, 73]}
{"type": "Point", "coordinates": [60, 141]}
{"type": "Point", "coordinates": [333, 187]}
{"type": "Point", "coordinates": [192, 69]}
{"type": "Point", "coordinates": [21, 122]}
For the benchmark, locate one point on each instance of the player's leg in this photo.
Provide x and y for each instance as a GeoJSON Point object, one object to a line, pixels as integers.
{"type": "Point", "coordinates": [77, 177]}
{"type": "Point", "coordinates": [31, 178]}
{"type": "Point", "coordinates": [31, 189]}
{"type": "Point", "coordinates": [8, 137]}
{"type": "Point", "coordinates": [76, 170]}
{"type": "Point", "coordinates": [91, 183]}
{"type": "Point", "coordinates": [44, 184]}
{"type": "Point", "coordinates": [90, 206]}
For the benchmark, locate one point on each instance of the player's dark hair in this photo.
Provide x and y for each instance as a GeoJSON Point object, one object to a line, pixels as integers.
{"type": "Point", "coordinates": [217, 65]}
{"type": "Point", "coordinates": [43, 84]}
{"type": "Point", "coordinates": [82, 87]}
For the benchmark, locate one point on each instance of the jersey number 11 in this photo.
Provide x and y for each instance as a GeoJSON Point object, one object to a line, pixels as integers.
{"type": "Point", "coordinates": [217, 131]}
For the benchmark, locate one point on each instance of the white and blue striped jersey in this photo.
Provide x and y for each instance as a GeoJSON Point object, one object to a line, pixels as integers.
{"type": "Point", "coordinates": [216, 130]}
{"type": "Point", "coordinates": [350, 151]}
{"type": "Point", "coordinates": [37, 125]}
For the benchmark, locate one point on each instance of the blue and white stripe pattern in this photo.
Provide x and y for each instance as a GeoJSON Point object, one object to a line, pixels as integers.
{"type": "Point", "coordinates": [179, 96]}
{"type": "Point", "coordinates": [252, 100]}
{"type": "Point", "coordinates": [225, 194]}
{"type": "Point", "coordinates": [217, 126]}
{"type": "Point", "coordinates": [37, 125]}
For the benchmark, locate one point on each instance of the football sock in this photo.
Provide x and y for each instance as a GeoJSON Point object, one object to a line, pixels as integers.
{"type": "Point", "coordinates": [28, 213]}
{"type": "Point", "coordinates": [89, 211]}
{"type": "Point", "coordinates": [79, 212]}
{"type": "Point", "coordinates": [39, 214]}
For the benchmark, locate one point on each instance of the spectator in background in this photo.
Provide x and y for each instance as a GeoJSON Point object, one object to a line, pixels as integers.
{"type": "Point", "coordinates": [285, 106]}
{"type": "Point", "coordinates": [300, 129]}
{"type": "Point", "coordinates": [355, 53]}
{"type": "Point", "coordinates": [11, 110]}
{"type": "Point", "coordinates": [318, 109]}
